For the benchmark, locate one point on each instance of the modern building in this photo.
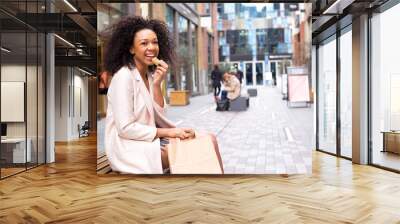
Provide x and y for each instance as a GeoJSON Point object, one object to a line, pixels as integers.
{"type": "Point", "coordinates": [258, 37]}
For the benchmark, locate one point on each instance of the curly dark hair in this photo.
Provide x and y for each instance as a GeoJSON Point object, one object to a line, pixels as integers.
{"type": "Point", "coordinates": [122, 33]}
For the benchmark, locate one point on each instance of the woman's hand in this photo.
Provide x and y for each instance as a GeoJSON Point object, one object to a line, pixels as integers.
{"type": "Point", "coordinates": [182, 133]}
{"type": "Point", "coordinates": [160, 73]}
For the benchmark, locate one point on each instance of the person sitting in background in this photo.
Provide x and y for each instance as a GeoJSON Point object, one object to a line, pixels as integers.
{"type": "Point", "coordinates": [231, 85]}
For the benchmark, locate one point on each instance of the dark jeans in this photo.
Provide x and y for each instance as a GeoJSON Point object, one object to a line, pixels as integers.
{"type": "Point", "coordinates": [217, 89]}
{"type": "Point", "coordinates": [224, 95]}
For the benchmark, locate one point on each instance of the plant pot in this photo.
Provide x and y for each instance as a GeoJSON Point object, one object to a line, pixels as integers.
{"type": "Point", "coordinates": [179, 98]}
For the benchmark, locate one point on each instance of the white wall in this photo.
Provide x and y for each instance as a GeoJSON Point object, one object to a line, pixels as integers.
{"type": "Point", "coordinates": [71, 102]}
{"type": "Point", "coordinates": [14, 73]}
{"type": "Point", "coordinates": [62, 81]}
{"type": "Point", "coordinates": [79, 117]}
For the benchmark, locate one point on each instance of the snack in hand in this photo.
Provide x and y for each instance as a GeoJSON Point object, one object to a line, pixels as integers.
{"type": "Point", "coordinates": [156, 61]}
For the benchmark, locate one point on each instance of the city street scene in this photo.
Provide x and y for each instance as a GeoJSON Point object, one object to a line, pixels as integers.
{"type": "Point", "coordinates": [268, 137]}
{"type": "Point", "coordinates": [243, 74]}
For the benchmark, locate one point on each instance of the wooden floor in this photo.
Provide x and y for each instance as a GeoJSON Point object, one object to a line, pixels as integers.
{"type": "Point", "coordinates": [10, 171]}
{"type": "Point", "coordinates": [70, 191]}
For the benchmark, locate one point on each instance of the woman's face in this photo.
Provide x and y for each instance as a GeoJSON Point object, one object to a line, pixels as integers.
{"type": "Point", "coordinates": [225, 76]}
{"type": "Point", "coordinates": [145, 46]}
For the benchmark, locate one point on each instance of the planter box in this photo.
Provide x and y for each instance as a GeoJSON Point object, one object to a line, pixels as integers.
{"type": "Point", "coordinates": [179, 98]}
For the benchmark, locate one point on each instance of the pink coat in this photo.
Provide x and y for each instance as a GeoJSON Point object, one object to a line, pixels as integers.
{"type": "Point", "coordinates": [132, 115]}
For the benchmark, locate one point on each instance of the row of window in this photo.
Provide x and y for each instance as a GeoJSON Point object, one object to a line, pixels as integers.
{"type": "Point", "coordinates": [187, 75]}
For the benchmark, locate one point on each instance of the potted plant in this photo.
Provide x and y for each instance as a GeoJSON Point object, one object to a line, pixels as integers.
{"type": "Point", "coordinates": [180, 96]}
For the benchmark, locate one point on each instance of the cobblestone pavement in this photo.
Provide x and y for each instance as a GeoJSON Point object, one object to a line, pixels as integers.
{"type": "Point", "coordinates": [268, 138]}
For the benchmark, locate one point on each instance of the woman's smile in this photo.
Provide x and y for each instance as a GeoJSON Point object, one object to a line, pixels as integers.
{"type": "Point", "coordinates": [149, 57]}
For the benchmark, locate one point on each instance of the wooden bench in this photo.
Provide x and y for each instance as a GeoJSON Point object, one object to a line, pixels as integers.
{"type": "Point", "coordinates": [239, 104]}
{"type": "Point", "coordinates": [103, 166]}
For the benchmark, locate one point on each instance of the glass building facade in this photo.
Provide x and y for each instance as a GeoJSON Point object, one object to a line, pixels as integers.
{"type": "Point", "coordinates": [256, 37]}
{"type": "Point", "coordinates": [185, 75]}
{"type": "Point", "coordinates": [183, 49]}
{"type": "Point", "coordinates": [334, 117]}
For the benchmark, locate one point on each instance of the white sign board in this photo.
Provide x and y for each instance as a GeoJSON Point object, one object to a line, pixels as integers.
{"type": "Point", "coordinates": [298, 88]}
{"type": "Point", "coordinates": [12, 101]}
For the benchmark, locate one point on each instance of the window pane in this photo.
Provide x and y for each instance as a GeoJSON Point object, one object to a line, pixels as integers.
{"type": "Point", "coordinates": [327, 96]}
{"type": "Point", "coordinates": [346, 94]}
{"type": "Point", "coordinates": [195, 76]}
{"type": "Point", "coordinates": [31, 97]}
{"type": "Point", "coordinates": [41, 98]}
{"type": "Point", "coordinates": [183, 49]}
{"type": "Point", "coordinates": [169, 17]}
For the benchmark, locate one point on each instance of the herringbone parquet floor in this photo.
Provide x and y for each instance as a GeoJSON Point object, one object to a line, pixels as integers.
{"type": "Point", "coordinates": [70, 191]}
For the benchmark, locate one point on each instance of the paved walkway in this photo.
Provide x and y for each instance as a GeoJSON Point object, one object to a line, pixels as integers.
{"type": "Point", "coordinates": [268, 138]}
